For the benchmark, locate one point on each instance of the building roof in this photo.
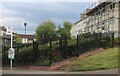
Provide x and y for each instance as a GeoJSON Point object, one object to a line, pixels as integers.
{"type": "Point", "coordinates": [3, 28]}
{"type": "Point", "coordinates": [27, 36]}
{"type": "Point", "coordinates": [77, 22]}
{"type": "Point", "coordinates": [96, 8]}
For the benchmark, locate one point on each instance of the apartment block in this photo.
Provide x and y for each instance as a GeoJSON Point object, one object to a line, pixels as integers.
{"type": "Point", "coordinates": [5, 35]}
{"type": "Point", "coordinates": [104, 17]}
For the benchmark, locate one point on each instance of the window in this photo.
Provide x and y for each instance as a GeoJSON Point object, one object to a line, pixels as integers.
{"type": "Point", "coordinates": [112, 6]}
{"type": "Point", "coordinates": [103, 10]}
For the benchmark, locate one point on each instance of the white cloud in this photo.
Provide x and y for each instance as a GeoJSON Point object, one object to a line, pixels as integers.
{"type": "Point", "coordinates": [15, 14]}
{"type": "Point", "coordinates": [49, 0]}
{"type": "Point", "coordinates": [58, 0]}
{"type": "Point", "coordinates": [10, 21]}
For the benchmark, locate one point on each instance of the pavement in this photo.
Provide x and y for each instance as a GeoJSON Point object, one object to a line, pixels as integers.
{"type": "Point", "coordinates": [111, 71]}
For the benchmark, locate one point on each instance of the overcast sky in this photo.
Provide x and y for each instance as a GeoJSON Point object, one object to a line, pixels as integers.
{"type": "Point", "coordinates": [33, 13]}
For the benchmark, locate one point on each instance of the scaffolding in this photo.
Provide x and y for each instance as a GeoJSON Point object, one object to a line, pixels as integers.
{"type": "Point", "coordinates": [101, 17]}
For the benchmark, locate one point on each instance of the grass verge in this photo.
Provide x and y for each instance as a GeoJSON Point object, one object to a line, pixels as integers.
{"type": "Point", "coordinates": [107, 59]}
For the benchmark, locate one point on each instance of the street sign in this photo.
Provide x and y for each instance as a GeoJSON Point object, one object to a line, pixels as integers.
{"type": "Point", "coordinates": [11, 53]}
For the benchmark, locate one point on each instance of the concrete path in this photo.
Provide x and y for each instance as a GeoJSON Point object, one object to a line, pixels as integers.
{"type": "Point", "coordinates": [112, 71]}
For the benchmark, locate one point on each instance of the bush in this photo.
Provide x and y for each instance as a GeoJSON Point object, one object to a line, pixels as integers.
{"type": "Point", "coordinates": [24, 56]}
{"type": "Point", "coordinates": [43, 61]}
{"type": "Point", "coordinates": [116, 41]}
{"type": "Point", "coordinates": [5, 60]}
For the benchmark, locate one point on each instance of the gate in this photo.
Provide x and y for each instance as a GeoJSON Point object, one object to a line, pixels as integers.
{"type": "Point", "coordinates": [41, 53]}
{"type": "Point", "coordinates": [44, 54]}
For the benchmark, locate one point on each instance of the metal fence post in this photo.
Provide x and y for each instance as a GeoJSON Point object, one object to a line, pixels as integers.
{"type": "Point", "coordinates": [100, 42]}
{"type": "Point", "coordinates": [77, 45]}
{"type": "Point", "coordinates": [60, 45]}
{"type": "Point", "coordinates": [86, 41]}
{"type": "Point", "coordinates": [4, 54]}
{"type": "Point", "coordinates": [33, 50]}
{"type": "Point", "coordinates": [96, 40]}
{"type": "Point", "coordinates": [106, 38]}
{"type": "Point", "coordinates": [66, 54]}
{"type": "Point", "coordinates": [17, 48]}
{"type": "Point", "coordinates": [50, 50]}
{"type": "Point", "coordinates": [112, 39]}
{"type": "Point", "coordinates": [37, 52]}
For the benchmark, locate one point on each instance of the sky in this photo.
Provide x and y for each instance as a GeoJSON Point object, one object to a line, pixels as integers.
{"type": "Point", "coordinates": [15, 14]}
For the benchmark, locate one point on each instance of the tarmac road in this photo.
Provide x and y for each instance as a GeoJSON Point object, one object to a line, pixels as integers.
{"type": "Point", "coordinates": [112, 71]}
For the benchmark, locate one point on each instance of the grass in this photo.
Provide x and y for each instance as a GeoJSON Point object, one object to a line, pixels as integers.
{"type": "Point", "coordinates": [107, 59]}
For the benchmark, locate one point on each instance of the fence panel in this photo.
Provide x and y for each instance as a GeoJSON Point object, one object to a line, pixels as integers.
{"type": "Point", "coordinates": [44, 54]}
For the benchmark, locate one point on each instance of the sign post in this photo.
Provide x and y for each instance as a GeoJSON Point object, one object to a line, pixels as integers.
{"type": "Point", "coordinates": [11, 52]}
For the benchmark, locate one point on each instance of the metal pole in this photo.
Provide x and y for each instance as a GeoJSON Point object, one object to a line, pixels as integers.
{"type": "Point", "coordinates": [60, 45]}
{"type": "Point", "coordinates": [11, 39]}
{"type": "Point", "coordinates": [25, 30]}
{"type": "Point", "coordinates": [10, 64]}
{"type": "Point", "coordinates": [17, 48]}
{"type": "Point", "coordinates": [66, 54]}
{"type": "Point", "coordinates": [112, 39]}
{"type": "Point", "coordinates": [77, 45]}
{"type": "Point", "coordinates": [100, 43]}
{"type": "Point", "coordinates": [11, 47]}
{"type": "Point", "coordinates": [25, 24]}
{"type": "Point", "coordinates": [50, 49]}
{"type": "Point", "coordinates": [86, 35]}
{"type": "Point", "coordinates": [33, 52]}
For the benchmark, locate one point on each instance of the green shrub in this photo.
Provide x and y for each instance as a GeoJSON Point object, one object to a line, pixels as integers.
{"type": "Point", "coordinates": [24, 56]}
{"type": "Point", "coordinates": [117, 41]}
{"type": "Point", "coordinates": [5, 60]}
{"type": "Point", "coordinates": [42, 61]}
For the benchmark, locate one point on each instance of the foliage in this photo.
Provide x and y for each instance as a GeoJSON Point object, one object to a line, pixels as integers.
{"type": "Point", "coordinates": [117, 40]}
{"type": "Point", "coordinates": [45, 30]}
{"type": "Point", "coordinates": [65, 31]}
{"type": "Point", "coordinates": [43, 61]}
{"type": "Point", "coordinates": [18, 39]}
{"type": "Point", "coordinates": [24, 56]}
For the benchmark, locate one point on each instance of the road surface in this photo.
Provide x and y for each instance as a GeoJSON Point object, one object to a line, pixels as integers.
{"type": "Point", "coordinates": [112, 71]}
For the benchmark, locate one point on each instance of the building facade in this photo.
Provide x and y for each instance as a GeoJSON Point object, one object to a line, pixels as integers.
{"type": "Point", "coordinates": [78, 28]}
{"type": "Point", "coordinates": [105, 17]}
{"type": "Point", "coordinates": [5, 35]}
{"type": "Point", "coordinates": [27, 38]}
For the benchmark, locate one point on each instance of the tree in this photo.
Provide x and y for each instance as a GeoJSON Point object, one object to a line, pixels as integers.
{"type": "Point", "coordinates": [45, 30]}
{"type": "Point", "coordinates": [18, 39]}
{"type": "Point", "coordinates": [65, 31]}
